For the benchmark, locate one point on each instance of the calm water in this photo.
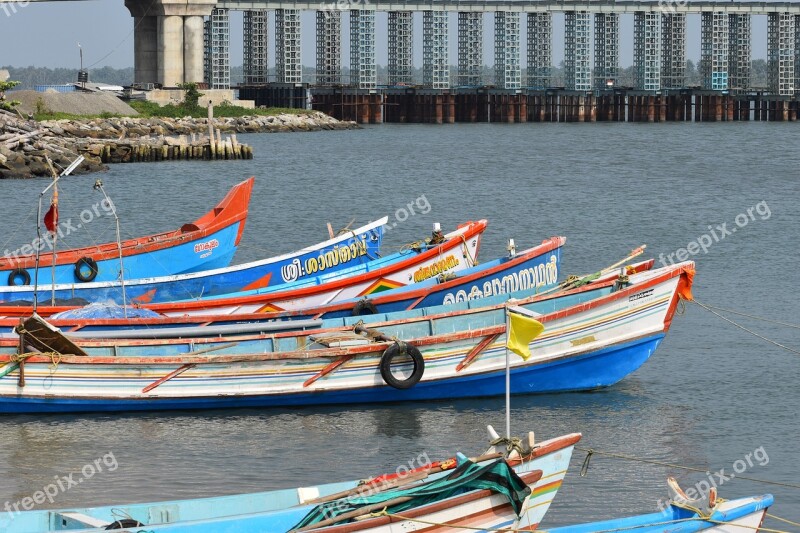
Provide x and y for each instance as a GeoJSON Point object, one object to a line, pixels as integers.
{"type": "Point", "coordinates": [710, 396]}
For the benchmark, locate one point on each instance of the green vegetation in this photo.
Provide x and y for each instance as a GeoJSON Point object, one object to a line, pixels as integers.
{"type": "Point", "coordinates": [152, 109]}
{"type": "Point", "coordinates": [7, 105]}
{"type": "Point", "coordinates": [53, 115]}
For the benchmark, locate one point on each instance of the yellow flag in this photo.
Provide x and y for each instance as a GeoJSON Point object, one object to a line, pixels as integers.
{"type": "Point", "coordinates": [522, 330]}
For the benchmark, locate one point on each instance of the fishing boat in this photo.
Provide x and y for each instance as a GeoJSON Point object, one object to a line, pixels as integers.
{"type": "Point", "coordinates": [536, 268]}
{"type": "Point", "coordinates": [593, 336]}
{"type": "Point", "coordinates": [684, 515]}
{"type": "Point", "coordinates": [325, 279]}
{"type": "Point", "coordinates": [541, 466]}
{"type": "Point", "coordinates": [208, 242]}
{"type": "Point", "coordinates": [353, 248]}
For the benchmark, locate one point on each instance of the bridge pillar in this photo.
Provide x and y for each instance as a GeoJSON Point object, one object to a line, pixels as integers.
{"type": "Point", "coordinates": [540, 49]}
{"type": "Point", "coordinates": [507, 68]}
{"type": "Point", "coordinates": [715, 50]}
{"type": "Point", "coordinates": [781, 53]}
{"type": "Point", "coordinates": [145, 49]}
{"type": "Point", "coordinates": [577, 73]}
{"type": "Point", "coordinates": [168, 40]}
{"type": "Point", "coordinates": [288, 68]}
{"type": "Point", "coordinates": [401, 47]}
{"type": "Point", "coordinates": [170, 50]}
{"type": "Point", "coordinates": [435, 65]}
{"type": "Point", "coordinates": [193, 49]}
{"type": "Point", "coordinates": [606, 49]}
{"type": "Point", "coordinates": [256, 46]}
{"type": "Point", "coordinates": [470, 48]}
{"type": "Point", "coordinates": [797, 54]}
{"type": "Point", "coordinates": [329, 47]}
{"type": "Point", "coordinates": [673, 50]}
{"type": "Point", "coordinates": [739, 34]}
{"type": "Point", "coordinates": [363, 72]}
{"type": "Point", "coordinates": [647, 50]}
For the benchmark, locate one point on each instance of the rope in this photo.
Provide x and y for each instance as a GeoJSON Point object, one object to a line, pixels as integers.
{"type": "Point", "coordinates": [585, 466]}
{"type": "Point", "coordinates": [511, 444]}
{"type": "Point", "coordinates": [787, 324]}
{"type": "Point", "coordinates": [55, 357]}
{"type": "Point", "coordinates": [726, 319]}
{"type": "Point", "coordinates": [779, 519]}
{"type": "Point", "coordinates": [470, 259]}
{"type": "Point", "coordinates": [690, 468]}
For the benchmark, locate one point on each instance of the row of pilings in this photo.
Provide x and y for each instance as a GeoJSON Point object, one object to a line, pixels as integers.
{"type": "Point", "coordinates": [485, 104]}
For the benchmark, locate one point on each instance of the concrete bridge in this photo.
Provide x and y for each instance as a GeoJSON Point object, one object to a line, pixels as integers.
{"type": "Point", "coordinates": [179, 41]}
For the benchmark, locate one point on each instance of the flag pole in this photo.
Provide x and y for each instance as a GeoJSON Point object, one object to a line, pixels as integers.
{"type": "Point", "coordinates": [508, 378]}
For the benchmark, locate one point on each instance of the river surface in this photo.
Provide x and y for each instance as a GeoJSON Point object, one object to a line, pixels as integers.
{"type": "Point", "coordinates": [712, 397]}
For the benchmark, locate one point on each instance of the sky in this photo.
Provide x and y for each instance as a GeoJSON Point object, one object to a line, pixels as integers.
{"type": "Point", "coordinates": [47, 34]}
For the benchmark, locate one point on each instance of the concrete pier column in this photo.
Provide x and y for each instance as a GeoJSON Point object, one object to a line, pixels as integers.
{"type": "Point", "coordinates": [170, 50]}
{"type": "Point", "coordinates": [145, 49]}
{"type": "Point", "coordinates": [193, 49]}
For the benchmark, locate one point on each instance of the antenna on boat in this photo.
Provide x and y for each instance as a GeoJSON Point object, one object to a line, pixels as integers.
{"type": "Point", "coordinates": [66, 172]}
{"type": "Point", "coordinates": [98, 185]}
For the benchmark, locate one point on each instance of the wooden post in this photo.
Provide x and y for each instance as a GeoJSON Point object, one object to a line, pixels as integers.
{"type": "Point", "coordinates": [211, 129]}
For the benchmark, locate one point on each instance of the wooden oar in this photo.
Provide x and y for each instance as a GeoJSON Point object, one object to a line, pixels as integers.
{"type": "Point", "coordinates": [180, 370]}
{"type": "Point", "coordinates": [355, 514]}
{"type": "Point", "coordinates": [371, 488]}
{"type": "Point", "coordinates": [380, 483]}
{"type": "Point", "coordinates": [588, 277]}
{"type": "Point", "coordinates": [476, 351]}
{"type": "Point", "coordinates": [330, 367]}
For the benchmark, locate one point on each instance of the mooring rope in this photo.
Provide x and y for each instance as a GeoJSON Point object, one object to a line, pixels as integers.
{"type": "Point", "coordinates": [592, 451]}
{"type": "Point", "coordinates": [762, 337]}
{"type": "Point", "coordinates": [754, 317]}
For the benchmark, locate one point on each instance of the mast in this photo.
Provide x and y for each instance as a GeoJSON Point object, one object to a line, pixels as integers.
{"type": "Point", "coordinates": [98, 185]}
{"type": "Point", "coordinates": [67, 171]}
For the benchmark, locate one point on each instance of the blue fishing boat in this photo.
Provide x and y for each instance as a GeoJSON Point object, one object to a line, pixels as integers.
{"type": "Point", "coordinates": [483, 492]}
{"type": "Point", "coordinates": [350, 249]}
{"type": "Point", "coordinates": [208, 242]}
{"type": "Point", "coordinates": [682, 515]}
{"type": "Point", "coordinates": [589, 337]}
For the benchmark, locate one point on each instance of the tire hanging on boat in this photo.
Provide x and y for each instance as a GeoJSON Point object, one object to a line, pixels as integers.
{"type": "Point", "coordinates": [401, 348]}
{"type": "Point", "coordinates": [19, 272]}
{"type": "Point", "coordinates": [88, 262]}
{"type": "Point", "coordinates": [123, 523]}
{"type": "Point", "coordinates": [364, 307]}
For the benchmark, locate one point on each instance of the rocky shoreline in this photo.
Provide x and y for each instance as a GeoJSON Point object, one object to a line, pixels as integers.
{"type": "Point", "coordinates": [24, 144]}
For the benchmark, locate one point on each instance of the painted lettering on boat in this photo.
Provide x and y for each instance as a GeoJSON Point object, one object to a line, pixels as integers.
{"type": "Point", "coordinates": [207, 246]}
{"type": "Point", "coordinates": [436, 268]}
{"type": "Point", "coordinates": [324, 261]}
{"type": "Point", "coordinates": [583, 340]}
{"type": "Point", "coordinates": [641, 295]}
{"type": "Point", "coordinates": [525, 279]}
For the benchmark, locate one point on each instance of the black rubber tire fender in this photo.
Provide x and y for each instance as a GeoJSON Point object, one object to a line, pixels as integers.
{"type": "Point", "coordinates": [398, 349]}
{"type": "Point", "coordinates": [19, 272]}
{"type": "Point", "coordinates": [91, 264]}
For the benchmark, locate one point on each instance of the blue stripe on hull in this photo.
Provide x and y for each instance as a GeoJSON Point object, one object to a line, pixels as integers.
{"type": "Point", "coordinates": [601, 368]}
